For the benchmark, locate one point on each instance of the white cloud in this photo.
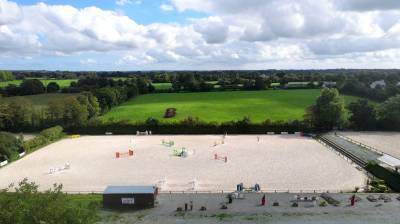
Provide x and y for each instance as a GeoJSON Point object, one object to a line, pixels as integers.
{"type": "Point", "coordinates": [88, 61]}
{"type": "Point", "coordinates": [212, 29]}
{"type": "Point", "coordinates": [10, 12]}
{"type": "Point", "coordinates": [368, 5]}
{"type": "Point", "coordinates": [123, 2]}
{"type": "Point", "coordinates": [166, 7]}
{"type": "Point", "coordinates": [237, 34]}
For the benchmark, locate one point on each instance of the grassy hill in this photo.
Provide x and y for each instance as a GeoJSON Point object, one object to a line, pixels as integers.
{"type": "Point", "coordinates": [219, 106]}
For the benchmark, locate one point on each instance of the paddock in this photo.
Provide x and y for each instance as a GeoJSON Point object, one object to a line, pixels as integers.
{"type": "Point", "coordinates": [276, 162]}
{"type": "Point", "coordinates": [386, 142]}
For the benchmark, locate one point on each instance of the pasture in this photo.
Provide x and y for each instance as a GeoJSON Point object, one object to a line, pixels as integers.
{"type": "Point", "coordinates": [219, 106]}
{"type": "Point", "coordinates": [275, 162]}
{"type": "Point", "coordinates": [162, 86]}
{"type": "Point", "coordinates": [41, 100]}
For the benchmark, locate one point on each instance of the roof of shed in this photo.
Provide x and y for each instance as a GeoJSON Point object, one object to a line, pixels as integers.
{"type": "Point", "coordinates": [130, 190]}
{"type": "Point", "coordinates": [390, 160]}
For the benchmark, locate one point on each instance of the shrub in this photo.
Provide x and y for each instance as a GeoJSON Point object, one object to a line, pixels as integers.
{"type": "Point", "coordinates": [9, 145]}
{"type": "Point", "coordinates": [45, 137]}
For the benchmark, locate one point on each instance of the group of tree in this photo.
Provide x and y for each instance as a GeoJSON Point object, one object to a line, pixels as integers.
{"type": "Point", "coordinates": [329, 113]}
{"type": "Point", "coordinates": [10, 146]}
{"type": "Point", "coordinates": [189, 83]}
{"type": "Point", "coordinates": [25, 204]}
{"type": "Point", "coordinates": [142, 84]}
{"type": "Point", "coordinates": [30, 87]}
{"type": "Point", "coordinates": [20, 114]}
{"type": "Point", "coordinates": [6, 76]}
{"type": "Point", "coordinates": [358, 88]}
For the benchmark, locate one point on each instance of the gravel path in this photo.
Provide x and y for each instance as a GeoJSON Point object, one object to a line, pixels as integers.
{"type": "Point", "coordinates": [248, 210]}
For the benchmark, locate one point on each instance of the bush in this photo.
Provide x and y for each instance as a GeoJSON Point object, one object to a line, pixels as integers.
{"type": "Point", "coordinates": [31, 87]}
{"type": "Point", "coordinates": [45, 137]}
{"type": "Point", "coordinates": [25, 204]}
{"type": "Point", "coordinates": [53, 87]}
{"type": "Point", "coordinates": [191, 126]}
{"type": "Point", "coordinates": [392, 179]}
{"type": "Point", "coordinates": [9, 145]}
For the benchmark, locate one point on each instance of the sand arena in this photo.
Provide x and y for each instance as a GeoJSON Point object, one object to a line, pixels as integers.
{"type": "Point", "coordinates": [275, 162]}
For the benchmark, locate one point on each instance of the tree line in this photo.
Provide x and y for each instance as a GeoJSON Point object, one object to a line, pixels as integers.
{"type": "Point", "coordinates": [96, 96]}
{"type": "Point", "coordinates": [329, 113]}
{"type": "Point", "coordinates": [353, 81]}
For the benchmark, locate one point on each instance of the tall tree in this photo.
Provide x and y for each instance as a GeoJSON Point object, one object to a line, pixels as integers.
{"type": "Point", "coordinates": [90, 101]}
{"type": "Point", "coordinates": [5, 115]}
{"type": "Point", "coordinates": [6, 76]}
{"type": "Point", "coordinates": [260, 83]}
{"type": "Point", "coordinates": [21, 111]}
{"type": "Point", "coordinates": [389, 112]}
{"type": "Point", "coordinates": [31, 87]}
{"type": "Point", "coordinates": [328, 112]}
{"type": "Point", "coordinates": [363, 115]}
{"type": "Point", "coordinates": [75, 114]}
{"type": "Point", "coordinates": [53, 87]}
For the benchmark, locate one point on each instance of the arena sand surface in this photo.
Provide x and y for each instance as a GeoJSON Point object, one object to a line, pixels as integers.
{"type": "Point", "coordinates": [386, 142]}
{"type": "Point", "coordinates": [278, 162]}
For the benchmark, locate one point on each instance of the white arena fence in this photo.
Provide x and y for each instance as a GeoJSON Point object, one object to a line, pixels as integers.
{"type": "Point", "coordinates": [360, 144]}
{"type": "Point", "coordinates": [228, 192]}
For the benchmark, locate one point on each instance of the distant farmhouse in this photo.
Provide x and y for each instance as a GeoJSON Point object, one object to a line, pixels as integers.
{"type": "Point", "coordinates": [380, 83]}
{"type": "Point", "coordinates": [296, 85]}
{"type": "Point", "coordinates": [329, 84]}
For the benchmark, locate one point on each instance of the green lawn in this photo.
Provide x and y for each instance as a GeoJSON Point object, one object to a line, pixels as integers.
{"type": "Point", "coordinates": [162, 86]}
{"type": "Point", "coordinates": [219, 106]}
{"type": "Point", "coordinates": [61, 82]}
{"type": "Point", "coordinates": [41, 100]}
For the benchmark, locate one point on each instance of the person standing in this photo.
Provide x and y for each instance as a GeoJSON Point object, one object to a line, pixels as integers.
{"type": "Point", "coordinates": [263, 200]}
{"type": "Point", "coordinates": [353, 200]}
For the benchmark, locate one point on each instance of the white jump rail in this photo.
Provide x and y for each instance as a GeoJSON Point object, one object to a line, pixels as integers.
{"type": "Point", "coordinates": [3, 163]}
{"type": "Point", "coordinates": [22, 154]}
{"type": "Point", "coordinates": [143, 132]}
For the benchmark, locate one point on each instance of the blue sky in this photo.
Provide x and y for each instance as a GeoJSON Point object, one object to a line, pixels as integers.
{"type": "Point", "coordinates": [199, 34]}
{"type": "Point", "coordinates": [142, 11]}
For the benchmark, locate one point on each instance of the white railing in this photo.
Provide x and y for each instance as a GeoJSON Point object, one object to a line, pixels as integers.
{"type": "Point", "coordinates": [226, 192]}
{"type": "Point", "coordinates": [361, 144]}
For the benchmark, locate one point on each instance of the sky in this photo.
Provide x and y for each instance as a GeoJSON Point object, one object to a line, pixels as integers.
{"type": "Point", "coordinates": [135, 35]}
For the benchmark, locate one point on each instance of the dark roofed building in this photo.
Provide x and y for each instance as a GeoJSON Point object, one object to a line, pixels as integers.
{"type": "Point", "coordinates": [129, 197]}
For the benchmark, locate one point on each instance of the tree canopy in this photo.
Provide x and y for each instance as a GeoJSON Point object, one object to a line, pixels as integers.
{"type": "Point", "coordinates": [328, 112]}
{"type": "Point", "coordinates": [26, 205]}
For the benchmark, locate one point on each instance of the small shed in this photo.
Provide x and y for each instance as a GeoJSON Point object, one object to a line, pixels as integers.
{"type": "Point", "coordinates": [129, 197]}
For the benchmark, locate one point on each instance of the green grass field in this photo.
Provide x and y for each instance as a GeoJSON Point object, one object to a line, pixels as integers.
{"type": "Point", "coordinates": [162, 86]}
{"type": "Point", "coordinates": [41, 100]}
{"type": "Point", "coordinates": [61, 82]}
{"type": "Point", "coordinates": [219, 106]}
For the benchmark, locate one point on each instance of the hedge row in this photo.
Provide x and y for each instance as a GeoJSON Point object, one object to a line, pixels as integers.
{"type": "Point", "coordinates": [45, 137]}
{"type": "Point", "coordinates": [392, 179]}
{"type": "Point", "coordinates": [180, 128]}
